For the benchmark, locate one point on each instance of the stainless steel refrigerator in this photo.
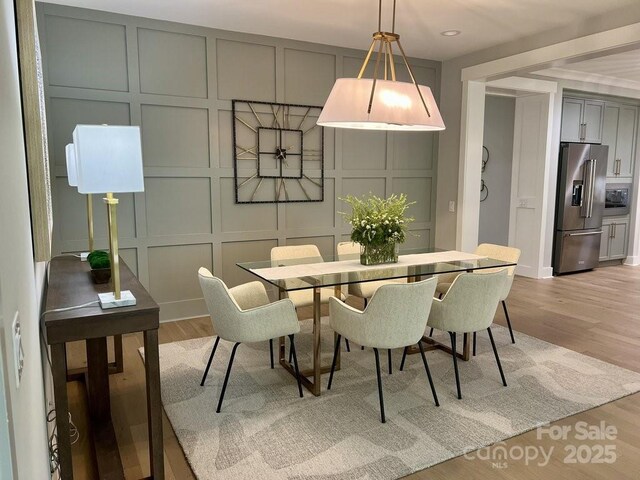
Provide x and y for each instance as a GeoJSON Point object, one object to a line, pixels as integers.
{"type": "Point", "coordinates": [579, 207]}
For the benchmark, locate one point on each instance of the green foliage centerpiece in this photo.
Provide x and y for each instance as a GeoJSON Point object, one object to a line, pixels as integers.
{"type": "Point", "coordinates": [379, 226]}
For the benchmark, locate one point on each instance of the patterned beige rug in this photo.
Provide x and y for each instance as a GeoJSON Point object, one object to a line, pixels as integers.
{"type": "Point", "coordinates": [266, 431]}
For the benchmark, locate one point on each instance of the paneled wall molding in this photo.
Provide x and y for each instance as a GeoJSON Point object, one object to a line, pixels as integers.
{"type": "Point", "coordinates": [177, 81]}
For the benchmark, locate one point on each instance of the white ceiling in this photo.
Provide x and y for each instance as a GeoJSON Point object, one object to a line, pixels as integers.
{"type": "Point", "coordinates": [349, 23]}
{"type": "Point", "coordinates": [620, 69]}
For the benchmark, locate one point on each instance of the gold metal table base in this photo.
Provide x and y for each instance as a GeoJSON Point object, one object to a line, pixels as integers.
{"type": "Point", "coordinates": [431, 344]}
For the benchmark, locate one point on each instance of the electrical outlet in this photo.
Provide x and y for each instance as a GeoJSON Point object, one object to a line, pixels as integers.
{"type": "Point", "coordinates": [18, 352]}
{"type": "Point", "coordinates": [452, 206]}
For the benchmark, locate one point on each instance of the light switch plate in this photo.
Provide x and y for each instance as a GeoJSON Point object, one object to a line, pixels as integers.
{"type": "Point", "coordinates": [18, 352]}
{"type": "Point", "coordinates": [452, 206]}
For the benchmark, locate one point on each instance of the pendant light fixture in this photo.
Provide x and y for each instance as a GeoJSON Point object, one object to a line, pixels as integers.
{"type": "Point", "coordinates": [382, 103]}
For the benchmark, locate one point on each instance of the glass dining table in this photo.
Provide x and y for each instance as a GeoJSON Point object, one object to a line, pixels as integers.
{"type": "Point", "coordinates": [317, 273]}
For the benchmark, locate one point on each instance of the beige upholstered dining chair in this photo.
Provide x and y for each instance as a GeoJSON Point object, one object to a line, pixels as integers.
{"type": "Point", "coordinates": [468, 306]}
{"type": "Point", "coordinates": [499, 252]}
{"type": "Point", "coordinates": [396, 317]}
{"type": "Point", "coordinates": [364, 290]}
{"type": "Point", "coordinates": [243, 314]}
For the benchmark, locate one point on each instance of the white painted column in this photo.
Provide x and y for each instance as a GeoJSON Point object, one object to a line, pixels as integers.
{"type": "Point", "coordinates": [471, 138]}
{"type": "Point", "coordinates": [633, 247]}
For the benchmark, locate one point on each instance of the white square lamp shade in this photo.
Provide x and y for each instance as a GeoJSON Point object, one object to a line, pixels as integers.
{"type": "Point", "coordinates": [72, 170]}
{"type": "Point", "coordinates": [108, 158]}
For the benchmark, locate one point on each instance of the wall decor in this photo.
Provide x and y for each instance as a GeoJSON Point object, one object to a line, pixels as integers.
{"type": "Point", "coordinates": [278, 152]}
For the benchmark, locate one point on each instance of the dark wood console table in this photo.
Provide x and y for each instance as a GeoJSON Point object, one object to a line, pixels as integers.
{"type": "Point", "coordinates": [70, 284]}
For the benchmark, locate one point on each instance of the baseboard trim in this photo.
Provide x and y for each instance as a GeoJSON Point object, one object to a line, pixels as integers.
{"type": "Point", "coordinates": [632, 261]}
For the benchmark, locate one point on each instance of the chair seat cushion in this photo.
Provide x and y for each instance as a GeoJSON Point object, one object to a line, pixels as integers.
{"type": "Point", "coordinates": [304, 298]}
{"type": "Point", "coordinates": [367, 289]}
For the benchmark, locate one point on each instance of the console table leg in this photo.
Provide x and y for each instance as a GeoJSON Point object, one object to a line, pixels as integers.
{"type": "Point", "coordinates": [59, 372]}
{"type": "Point", "coordinates": [154, 405]}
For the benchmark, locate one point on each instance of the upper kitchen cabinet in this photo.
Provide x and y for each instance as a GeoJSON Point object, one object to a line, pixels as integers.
{"type": "Point", "coordinates": [619, 132]}
{"type": "Point", "coordinates": [582, 120]}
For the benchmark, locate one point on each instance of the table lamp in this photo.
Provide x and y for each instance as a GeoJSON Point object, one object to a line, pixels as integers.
{"type": "Point", "coordinates": [72, 176]}
{"type": "Point", "coordinates": [109, 159]}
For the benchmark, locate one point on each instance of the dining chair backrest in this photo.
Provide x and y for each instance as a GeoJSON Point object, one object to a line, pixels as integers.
{"type": "Point", "coordinates": [347, 250]}
{"type": "Point", "coordinates": [506, 254]}
{"type": "Point", "coordinates": [293, 255]}
{"type": "Point", "coordinates": [224, 310]}
{"type": "Point", "coordinates": [395, 317]}
{"type": "Point", "coordinates": [470, 303]}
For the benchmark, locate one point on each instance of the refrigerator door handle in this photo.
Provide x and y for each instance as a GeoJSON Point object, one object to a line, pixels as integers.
{"type": "Point", "coordinates": [588, 190]}
{"type": "Point", "coordinates": [580, 234]}
{"type": "Point", "coordinates": [592, 186]}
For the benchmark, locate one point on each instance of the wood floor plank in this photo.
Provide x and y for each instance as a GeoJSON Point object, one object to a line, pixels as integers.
{"type": "Point", "coordinates": [595, 313]}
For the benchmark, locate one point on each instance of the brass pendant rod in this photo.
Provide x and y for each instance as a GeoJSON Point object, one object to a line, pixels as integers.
{"type": "Point", "coordinates": [413, 79]}
{"type": "Point", "coordinates": [386, 59]}
{"type": "Point", "coordinates": [393, 18]}
{"type": "Point", "coordinates": [366, 59]}
{"type": "Point", "coordinates": [391, 62]}
{"type": "Point", "coordinates": [112, 203]}
{"type": "Point", "coordinates": [90, 220]}
{"type": "Point", "coordinates": [379, 15]}
{"type": "Point", "coordinates": [375, 76]}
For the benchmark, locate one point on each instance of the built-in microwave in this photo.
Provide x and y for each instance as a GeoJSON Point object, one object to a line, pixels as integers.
{"type": "Point", "coordinates": [617, 199]}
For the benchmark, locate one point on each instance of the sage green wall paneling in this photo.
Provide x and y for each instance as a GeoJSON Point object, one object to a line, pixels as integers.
{"type": "Point", "coordinates": [313, 215]}
{"type": "Point", "coordinates": [326, 245]}
{"type": "Point", "coordinates": [179, 83]}
{"type": "Point", "coordinates": [413, 150]}
{"type": "Point", "coordinates": [308, 77]}
{"type": "Point", "coordinates": [173, 271]}
{"type": "Point", "coordinates": [244, 251]}
{"type": "Point", "coordinates": [99, 47]}
{"type": "Point", "coordinates": [178, 206]}
{"type": "Point", "coordinates": [245, 217]}
{"type": "Point", "coordinates": [175, 136]}
{"type": "Point", "coordinates": [225, 134]}
{"type": "Point", "coordinates": [364, 150]}
{"type": "Point", "coordinates": [71, 219]}
{"type": "Point", "coordinates": [130, 257]}
{"type": "Point", "coordinates": [418, 238]}
{"type": "Point", "coordinates": [417, 190]}
{"type": "Point", "coordinates": [172, 63]}
{"type": "Point", "coordinates": [66, 113]}
{"type": "Point", "coordinates": [246, 71]}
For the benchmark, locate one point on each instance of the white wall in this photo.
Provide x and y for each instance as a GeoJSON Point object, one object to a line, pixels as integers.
{"type": "Point", "coordinates": [17, 269]}
{"type": "Point", "coordinates": [499, 115]}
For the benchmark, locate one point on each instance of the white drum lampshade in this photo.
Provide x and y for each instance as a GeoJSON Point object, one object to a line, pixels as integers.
{"type": "Point", "coordinates": [72, 171]}
{"type": "Point", "coordinates": [395, 106]}
{"type": "Point", "coordinates": [109, 158]}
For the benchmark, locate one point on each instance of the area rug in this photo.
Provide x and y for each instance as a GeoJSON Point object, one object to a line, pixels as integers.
{"type": "Point", "coordinates": [266, 431]}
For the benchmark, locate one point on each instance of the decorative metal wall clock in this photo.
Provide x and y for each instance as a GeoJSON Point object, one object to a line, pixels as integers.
{"type": "Point", "coordinates": [278, 152]}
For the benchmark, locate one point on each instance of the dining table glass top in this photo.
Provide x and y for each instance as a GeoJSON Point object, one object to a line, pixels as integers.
{"type": "Point", "coordinates": [331, 271]}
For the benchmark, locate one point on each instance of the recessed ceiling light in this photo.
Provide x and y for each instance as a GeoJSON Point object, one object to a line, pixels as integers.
{"type": "Point", "coordinates": [450, 33]}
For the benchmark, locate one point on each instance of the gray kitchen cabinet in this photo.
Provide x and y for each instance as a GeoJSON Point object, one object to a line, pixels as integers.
{"type": "Point", "coordinates": [582, 120]}
{"type": "Point", "coordinates": [615, 234]}
{"type": "Point", "coordinates": [619, 132]}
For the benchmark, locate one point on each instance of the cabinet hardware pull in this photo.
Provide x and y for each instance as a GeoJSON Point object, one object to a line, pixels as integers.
{"type": "Point", "coordinates": [615, 229]}
{"type": "Point", "coordinates": [599, 232]}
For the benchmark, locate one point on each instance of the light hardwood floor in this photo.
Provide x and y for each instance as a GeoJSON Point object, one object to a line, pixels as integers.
{"type": "Point", "coordinates": [595, 313]}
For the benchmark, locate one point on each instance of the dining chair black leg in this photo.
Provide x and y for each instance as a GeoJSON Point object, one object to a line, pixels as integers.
{"type": "Point", "coordinates": [295, 364]}
{"type": "Point", "coordinates": [361, 347]}
{"type": "Point", "coordinates": [455, 362]}
{"type": "Point", "coordinates": [226, 377]}
{"type": "Point", "coordinates": [365, 303]}
{"type": "Point", "coordinates": [346, 342]}
{"type": "Point", "coordinates": [495, 352]}
{"type": "Point", "coordinates": [335, 360]}
{"type": "Point", "coordinates": [506, 314]}
{"type": "Point", "coordinates": [271, 351]}
{"type": "Point", "coordinates": [290, 355]}
{"type": "Point", "coordinates": [390, 362]}
{"type": "Point", "coordinates": [431, 332]}
{"type": "Point", "coordinates": [206, 370]}
{"type": "Point", "coordinates": [404, 357]}
{"type": "Point", "coordinates": [474, 343]}
{"type": "Point", "coordinates": [426, 367]}
{"type": "Point", "coordinates": [382, 417]}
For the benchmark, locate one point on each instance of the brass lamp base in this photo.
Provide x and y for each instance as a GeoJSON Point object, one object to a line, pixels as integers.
{"type": "Point", "coordinates": [108, 300]}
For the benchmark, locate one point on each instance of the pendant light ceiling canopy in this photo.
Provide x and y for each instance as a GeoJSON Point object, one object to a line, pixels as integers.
{"type": "Point", "coordinates": [382, 103]}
